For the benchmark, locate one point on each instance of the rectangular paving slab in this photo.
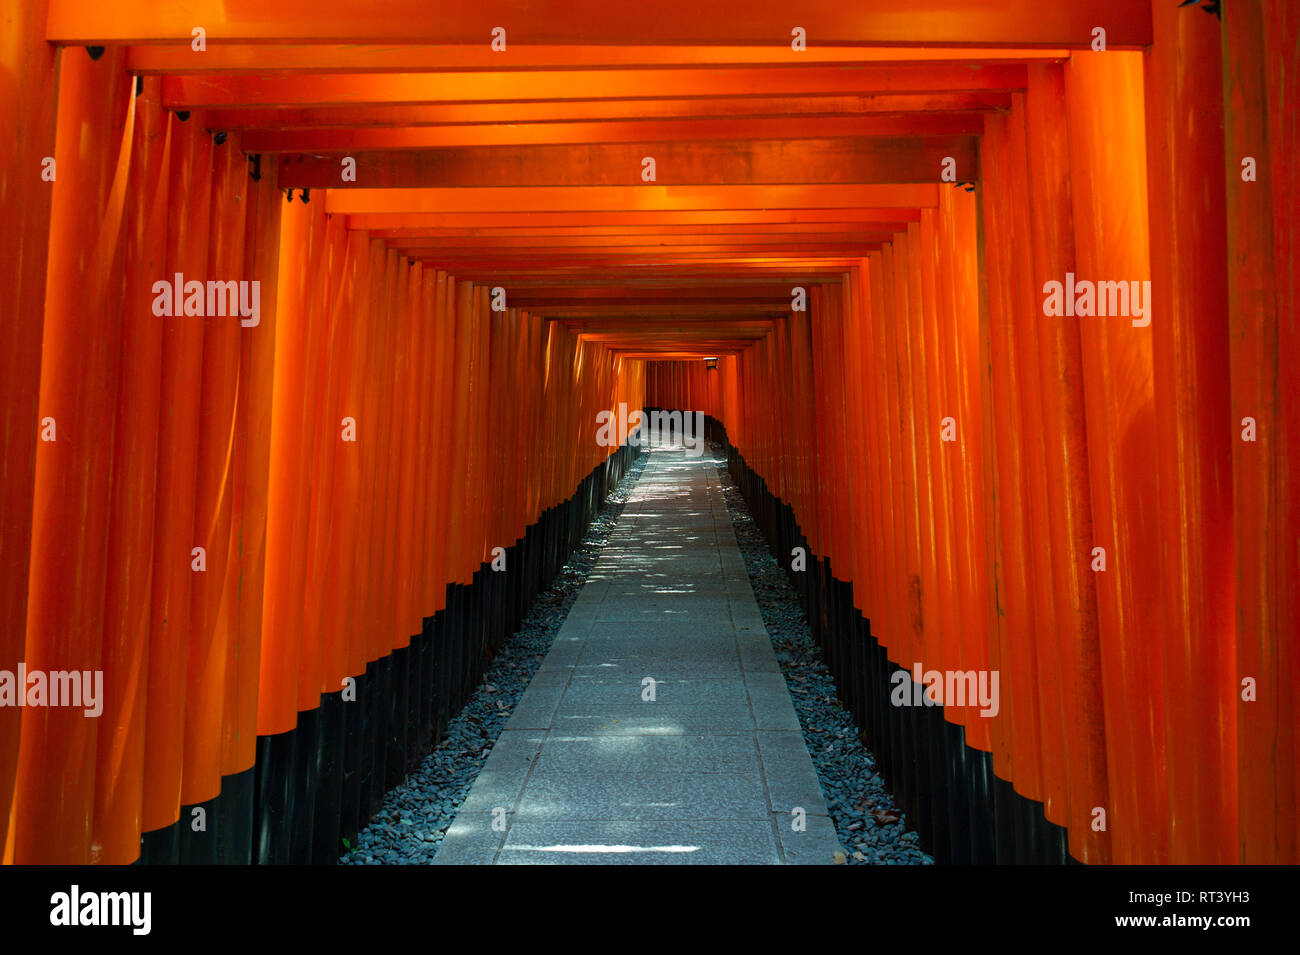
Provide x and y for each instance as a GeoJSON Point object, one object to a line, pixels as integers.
{"type": "Point", "coordinates": [659, 730]}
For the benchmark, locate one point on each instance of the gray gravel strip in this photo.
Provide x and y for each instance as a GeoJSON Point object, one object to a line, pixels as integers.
{"type": "Point", "coordinates": [860, 805]}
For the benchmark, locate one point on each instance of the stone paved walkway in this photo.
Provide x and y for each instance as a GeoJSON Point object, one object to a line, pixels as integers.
{"type": "Point", "coordinates": [590, 769]}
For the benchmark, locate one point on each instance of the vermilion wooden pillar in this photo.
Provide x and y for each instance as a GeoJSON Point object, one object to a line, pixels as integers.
{"type": "Point", "coordinates": [119, 770]}
{"type": "Point", "coordinates": [210, 628]}
{"type": "Point", "coordinates": [178, 440]}
{"type": "Point", "coordinates": [1108, 185]}
{"type": "Point", "coordinates": [25, 198]}
{"type": "Point", "coordinates": [252, 452]}
{"type": "Point", "coordinates": [1184, 139]}
{"type": "Point", "coordinates": [53, 807]}
{"type": "Point", "coordinates": [1075, 688]}
{"type": "Point", "coordinates": [285, 531]}
{"type": "Point", "coordinates": [1259, 90]}
{"type": "Point", "coordinates": [1016, 728]}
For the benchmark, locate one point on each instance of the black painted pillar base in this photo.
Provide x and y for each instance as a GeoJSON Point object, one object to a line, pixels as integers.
{"type": "Point", "coordinates": [315, 786]}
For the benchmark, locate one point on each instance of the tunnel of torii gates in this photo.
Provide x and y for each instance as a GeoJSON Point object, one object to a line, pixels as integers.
{"type": "Point", "coordinates": [264, 512]}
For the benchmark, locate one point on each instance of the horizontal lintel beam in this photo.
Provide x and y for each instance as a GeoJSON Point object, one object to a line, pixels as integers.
{"type": "Point", "coordinates": [496, 219]}
{"type": "Point", "coordinates": [604, 110]}
{"type": "Point", "coordinates": [342, 141]}
{"type": "Point", "coordinates": [765, 23]}
{"type": "Point", "coordinates": [373, 89]}
{"type": "Point", "coordinates": [629, 198]}
{"type": "Point", "coordinates": [865, 160]}
{"type": "Point", "coordinates": [221, 57]}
